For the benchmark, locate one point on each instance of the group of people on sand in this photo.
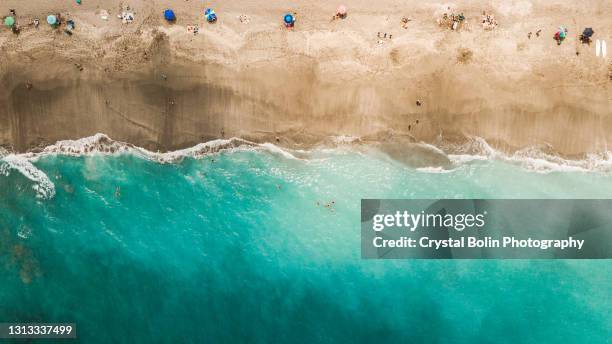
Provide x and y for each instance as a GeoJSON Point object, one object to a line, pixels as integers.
{"type": "Point", "coordinates": [54, 20]}
{"type": "Point", "coordinates": [488, 21]}
{"type": "Point", "coordinates": [452, 21]}
{"type": "Point", "coordinates": [127, 16]}
{"type": "Point", "coordinates": [449, 19]}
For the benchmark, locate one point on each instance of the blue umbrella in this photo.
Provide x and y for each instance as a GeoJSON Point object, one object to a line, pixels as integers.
{"type": "Point", "coordinates": [169, 15]}
{"type": "Point", "coordinates": [210, 14]}
{"type": "Point", "coordinates": [288, 19]}
{"type": "Point", "coordinates": [51, 19]}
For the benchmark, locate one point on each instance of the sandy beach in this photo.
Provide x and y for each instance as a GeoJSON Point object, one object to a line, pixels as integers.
{"type": "Point", "coordinates": [159, 86]}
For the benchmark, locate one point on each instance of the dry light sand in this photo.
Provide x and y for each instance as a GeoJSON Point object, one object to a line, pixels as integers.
{"type": "Point", "coordinates": [156, 85]}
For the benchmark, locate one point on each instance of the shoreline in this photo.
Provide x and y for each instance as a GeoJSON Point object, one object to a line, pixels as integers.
{"type": "Point", "coordinates": [415, 155]}
{"type": "Point", "coordinates": [156, 86]}
{"type": "Point", "coordinates": [419, 157]}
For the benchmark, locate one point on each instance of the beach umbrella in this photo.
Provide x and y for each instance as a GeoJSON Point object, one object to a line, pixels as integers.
{"type": "Point", "coordinates": [562, 34]}
{"type": "Point", "coordinates": [341, 10]}
{"type": "Point", "coordinates": [169, 15]}
{"type": "Point", "coordinates": [210, 14]}
{"type": "Point", "coordinates": [288, 19]}
{"type": "Point", "coordinates": [51, 19]}
{"type": "Point", "coordinates": [588, 32]}
{"type": "Point", "coordinates": [9, 21]}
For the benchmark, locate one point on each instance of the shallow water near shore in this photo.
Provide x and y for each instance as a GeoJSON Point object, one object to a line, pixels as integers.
{"type": "Point", "coordinates": [261, 247]}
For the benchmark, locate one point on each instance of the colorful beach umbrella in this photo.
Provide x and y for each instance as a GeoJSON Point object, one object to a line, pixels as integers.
{"type": "Point", "coordinates": [341, 10]}
{"type": "Point", "coordinates": [9, 21]}
{"type": "Point", "coordinates": [51, 19]}
{"type": "Point", "coordinates": [288, 19]}
{"type": "Point", "coordinates": [169, 15]}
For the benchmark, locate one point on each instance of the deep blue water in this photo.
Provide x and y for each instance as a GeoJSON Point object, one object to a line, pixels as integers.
{"type": "Point", "coordinates": [254, 247]}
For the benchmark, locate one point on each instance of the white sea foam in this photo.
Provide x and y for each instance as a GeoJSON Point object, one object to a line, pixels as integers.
{"type": "Point", "coordinates": [460, 159]}
{"type": "Point", "coordinates": [436, 169]}
{"type": "Point", "coordinates": [101, 144]}
{"type": "Point", "coordinates": [272, 148]}
{"type": "Point", "coordinates": [197, 151]}
{"type": "Point", "coordinates": [4, 169]}
{"type": "Point", "coordinates": [24, 232]}
{"type": "Point", "coordinates": [42, 184]}
{"type": "Point", "coordinates": [536, 159]}
{"type": "Point", "coordinates": [345, 139]}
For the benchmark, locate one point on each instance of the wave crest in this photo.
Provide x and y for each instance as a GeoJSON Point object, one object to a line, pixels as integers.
{"type": "Point", "coordinates": [43, 186]}
{"type": "Point", "coordinates": [102, 144]}
{"type": "Point", "coordinates": [537, 159]}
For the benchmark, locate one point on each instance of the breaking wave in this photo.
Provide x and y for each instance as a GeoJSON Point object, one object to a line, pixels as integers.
{"type": "Point", "coordinates": [43, 186]}
{"type": "Point", "coordinates": [102, 144]}
{"type": "Point", "coordinates": [537, 159]}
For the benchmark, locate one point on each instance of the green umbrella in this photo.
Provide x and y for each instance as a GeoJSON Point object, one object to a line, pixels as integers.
{"type": "Point", "coordinates": [9, 21]}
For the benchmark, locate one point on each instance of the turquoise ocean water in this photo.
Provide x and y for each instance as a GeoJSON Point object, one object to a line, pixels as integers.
{"type": "Point", "coordinates": [252, 246]}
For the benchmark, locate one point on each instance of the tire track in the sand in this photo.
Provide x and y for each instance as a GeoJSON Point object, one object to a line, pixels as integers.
{"type": "Point", "coordinates": [131, 121]}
